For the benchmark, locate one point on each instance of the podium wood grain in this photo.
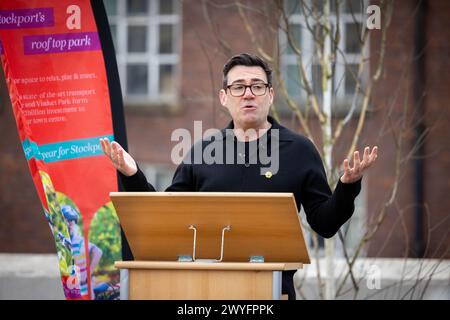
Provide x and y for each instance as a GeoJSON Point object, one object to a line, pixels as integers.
{"type": "Point", "coordinates": [262, 224]}
{"type": "Point", "coordinates": [192, 280]}
{"type": "Point", "coordinates": [157, 228]}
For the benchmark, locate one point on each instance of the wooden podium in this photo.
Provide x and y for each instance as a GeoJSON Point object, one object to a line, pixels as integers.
{"type": "Point", "coordinates": [194, 245]}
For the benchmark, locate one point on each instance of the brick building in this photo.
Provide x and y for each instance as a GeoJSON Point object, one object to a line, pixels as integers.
{"type": "Point", "coordinates": [171, 72]}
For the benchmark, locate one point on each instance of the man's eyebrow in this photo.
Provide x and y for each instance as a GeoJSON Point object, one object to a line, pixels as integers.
{"type": "Point", "coordinates": [243, 80]}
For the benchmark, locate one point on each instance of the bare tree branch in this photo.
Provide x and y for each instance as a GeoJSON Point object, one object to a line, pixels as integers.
{"type": "Point", "coordinates": [226, 47]}
{"type": "Point", "coordinates": [249, 29]}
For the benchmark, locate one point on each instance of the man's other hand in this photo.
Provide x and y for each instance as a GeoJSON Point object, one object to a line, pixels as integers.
{"type": "Point", "coordinates": [353, 174]}
{"type": "Point", "coordinates": [121, 159]}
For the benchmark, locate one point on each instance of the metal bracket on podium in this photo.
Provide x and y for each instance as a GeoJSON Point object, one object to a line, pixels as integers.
{"type": "Point", "coordinates": [227, 228]}
{"type": "Point", "coordinates": [187, 258]}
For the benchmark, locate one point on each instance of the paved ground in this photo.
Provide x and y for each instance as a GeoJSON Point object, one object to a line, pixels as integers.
{"type": "Point", "coordinates": [30, 276]}
{"type": "Point", "coordinates": [36, 276]}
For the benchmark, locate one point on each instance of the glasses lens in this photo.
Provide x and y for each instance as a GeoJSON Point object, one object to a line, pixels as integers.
{"type": "Point", "coordinates": [258, 89]}
{"type": "Point", "coordinates": [237, 90]}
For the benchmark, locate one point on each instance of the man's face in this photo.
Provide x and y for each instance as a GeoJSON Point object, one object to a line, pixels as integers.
{"type": "Point", "coordinates": [248, 110]}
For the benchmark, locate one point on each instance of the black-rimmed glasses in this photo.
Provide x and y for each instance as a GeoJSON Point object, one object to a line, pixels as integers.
{"type": "Point", "coordinates": [238, 89]}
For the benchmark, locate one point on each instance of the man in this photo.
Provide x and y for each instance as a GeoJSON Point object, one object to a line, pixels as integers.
{"type": "Point", "coordinates": [248, 94]}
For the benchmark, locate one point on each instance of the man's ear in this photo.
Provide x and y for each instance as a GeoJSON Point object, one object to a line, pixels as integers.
{"type": "Point", "coordinates": [271, 95]}
{"type": "Point", "coordinates": [223, 97]}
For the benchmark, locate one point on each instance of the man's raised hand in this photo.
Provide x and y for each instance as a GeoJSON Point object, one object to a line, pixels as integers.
{"type": "Point", "coordinates": [121, 159]}
{"type": "Point", "coordinates": [353, 174]}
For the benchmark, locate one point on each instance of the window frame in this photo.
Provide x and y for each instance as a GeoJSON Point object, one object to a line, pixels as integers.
{"type": "Point", "coordinates": [341, 99]}
{"type": "Point", "coordinates": [151, 57]}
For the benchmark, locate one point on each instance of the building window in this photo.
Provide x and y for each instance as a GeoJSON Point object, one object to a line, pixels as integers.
{"type": "Point", "coordinates": [304, 25]}
{"type": "Point", "coordinates": [145, 35]}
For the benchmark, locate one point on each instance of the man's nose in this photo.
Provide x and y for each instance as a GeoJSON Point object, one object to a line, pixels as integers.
{"type": "Point", "coordinates": [248, 93]}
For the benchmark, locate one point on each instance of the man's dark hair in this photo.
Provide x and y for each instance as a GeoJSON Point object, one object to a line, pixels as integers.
{"type": "Point", "coordinates": [249, 60]}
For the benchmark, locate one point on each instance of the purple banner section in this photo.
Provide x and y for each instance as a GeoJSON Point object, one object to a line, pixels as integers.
{"type": "Point", "coordinates": [26, 18]}
{"type": "Point", "coordinates": [66, 42]}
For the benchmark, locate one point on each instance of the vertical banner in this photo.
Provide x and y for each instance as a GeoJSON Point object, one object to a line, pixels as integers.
{"type": "Point", "coordinates": [51, 53]}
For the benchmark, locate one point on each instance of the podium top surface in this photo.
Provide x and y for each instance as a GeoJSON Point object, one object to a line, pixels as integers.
{"type": "Point", "coordinates": [156, 225]}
